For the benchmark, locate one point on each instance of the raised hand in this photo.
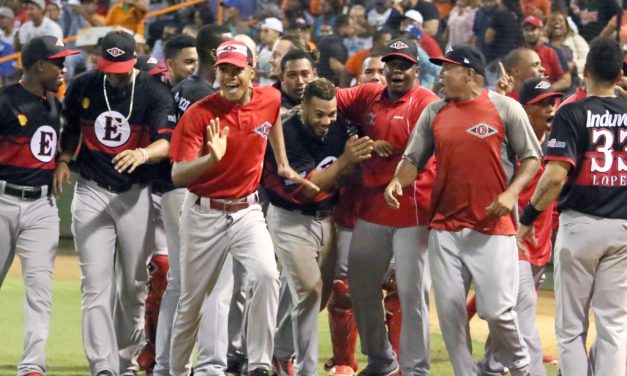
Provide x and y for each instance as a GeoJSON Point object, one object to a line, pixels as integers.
{"type": "Point", "coordinates": [358, 149]}
{"type": "Point", "coordinates": [505, 84]}
{"type": "Point", "coordinates": [216, 139]}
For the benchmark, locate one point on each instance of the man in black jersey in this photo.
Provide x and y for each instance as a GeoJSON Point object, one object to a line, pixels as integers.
{"type": "Point", "coordinates": [29, 220]}
{"type": "Point", "coordinates": [120, 116]}
{"type": "Point", "coordinates": [587, 170]}
{"type": "Point", "coordinates": [212, 349]}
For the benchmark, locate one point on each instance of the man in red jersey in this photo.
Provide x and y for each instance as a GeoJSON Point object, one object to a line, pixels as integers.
{"type": "Point", "coordinates": [539, 102]}
{"type": "Point", "coordinates": [29, 220]}
{"type": "Point", "coordinates": [387, 115]}
{"type": "Point", "coordinates": [221, 212]}
{"type": "Point", "coordinates": [475, 135]}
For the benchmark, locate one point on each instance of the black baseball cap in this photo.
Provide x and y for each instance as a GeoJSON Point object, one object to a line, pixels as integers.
{"type": "Point", "coordinates": [464, 55]}
{"type": "Point", "coordinates": [45, 47]}
{"type": "Point", "coordinates": [117, 53]}
{"type": "Point", "coordinates": [401, 47]}
{"type": "Point", "coordinates": [149, 64]}
{"type": "Point", "coordinates": [536, 89]}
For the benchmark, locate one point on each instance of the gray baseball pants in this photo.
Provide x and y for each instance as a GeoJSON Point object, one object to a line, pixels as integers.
{"type": "Point", "coordinates": [30, 228]}
{"type": "Point", "coordinates": [591, 273]}
{"type": "Point", "coordinates": [207, 237]}
{"type": "Point", "coordinates": [113, 234]}
{"type": "Point", "coordinates": [529, 277]}
{"type": "Point", "coordinates": [371, 250]}
{"type": "Point", "coordinates": [491, 262]}
{"type": "Point", "coordinates": [305, 247]}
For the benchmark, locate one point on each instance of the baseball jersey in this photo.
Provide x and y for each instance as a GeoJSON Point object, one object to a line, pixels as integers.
{"type": "Point", "coordinates": [187, 92]}
{"type": "Point", "coordinates": [391, 121]}
{"type": "Point", "coordinates": [476, 143]}
{"type": "Point", "coordinates": [591, 136]}
{"type": "Point", "coordinates": [29, 130]}
{"type": "Point", "coordinates": [307, 154]}
{"type": "Point", "coordinates": [106, 133]}
{"type": "Point", "coordinates": [239, 172]}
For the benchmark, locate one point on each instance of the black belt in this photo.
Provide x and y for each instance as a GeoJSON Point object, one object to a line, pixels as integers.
{"type": "Point", "coordinates": [23, 192]}
{"type": "Point", "coordinates": [318, 215]}
{"type": "Point", "coordinates": [118, 189]}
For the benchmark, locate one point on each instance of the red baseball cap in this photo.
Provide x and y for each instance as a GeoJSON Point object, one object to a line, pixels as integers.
{"type": "Point", "coordinates": [235, 53]}
{"type": "Point", "coordinates": [533, 21]}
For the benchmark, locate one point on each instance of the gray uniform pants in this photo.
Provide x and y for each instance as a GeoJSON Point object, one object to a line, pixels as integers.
{"type": "Point", "coordinates": [207, 237]}
{"type": "Point", "coordinates": [491, 262]}
{"type": "Point", "coordinates": [30, 228]}
{"type": "Point", "coordinates": [211, 343]}
{"type": "Point", "coordinates": [371, 250]}
{"type": "Point", "coordinates": [305, 248]}
{"type": "Point", "coordinates": [101, 222]}
{"type": "Point", "coordinates": [591, 273]}
{"type": "Point", "coordinates": [529, 278]}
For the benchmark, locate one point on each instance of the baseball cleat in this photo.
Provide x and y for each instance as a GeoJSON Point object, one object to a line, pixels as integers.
{"type": "Point", "coordinates": [341, 370]}
{"type": "Point", "coordinates": [259, 372]}
{"type": "Point", "coordinates": [395, 372]}
{"type": "Point", "coordinates": [283, 367]}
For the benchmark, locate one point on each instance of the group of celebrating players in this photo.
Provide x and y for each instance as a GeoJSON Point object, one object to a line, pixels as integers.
{"type": "Point", "coordinates": [384, 186]}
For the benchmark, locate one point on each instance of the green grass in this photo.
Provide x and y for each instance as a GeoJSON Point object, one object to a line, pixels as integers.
{"type": "Point", "coordinates": [64, 350]}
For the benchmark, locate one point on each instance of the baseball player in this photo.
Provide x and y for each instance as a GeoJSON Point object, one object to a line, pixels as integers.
{"type": "Point", "coordinates": [539, 101]}
{"type": "Point", "coordinates": [211, 343]}
{"type": "Point", "coordinates": [299, 219]}
{"type": "Point", "coordinates": [475, 134]}
{"type": "Point", "coordinates": [181, 58]}
{"type": "Point", "coordinates": [29, 220]}
{"type": "Point", "coordinates": [587, 172]}
{"type": "Point", "coordinates": [218, 150]}
{"type": "Point", "coordinates": [387, 114]}
{"type": "Point", "coordinates": [341, 320]}
{"type": "Point", "coordinates": [120, 116]}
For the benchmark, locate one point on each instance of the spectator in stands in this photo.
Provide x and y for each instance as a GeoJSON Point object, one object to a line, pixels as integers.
{"type": "Point", "coordinates": [538, 8]}
{"type": "Point", "coordinates": [357, 14]}
{"type": "Point", "coordinates": [53, 11]}
{"type": "Point", "coordinates": [483, 19]}
{"type": "Point", "coordinates": [168, 32]}
{"type": "Point", "coordinates": [380, 38]}
{"type": "Point", "coordinates": [301, 27]}
{"type": "Point", "coordinates": [572, 45]}
{"type": "Point", "coordinates": [429, 12]}
{"type": "Point", "coordinates": [7, 29]}
{"type": "Point", "coordinates": [429, 72]}
{"type": "Point", "coordinates": [129, 14]}
{"type": "Point", "coordinates": [591, 16]}
{"type": "Point", "coordinates": [503, 35]}
{"type": "Point", "coordinates": [38, 25]}
{"type": "Point", "coordinates": [556, 72]}
{"type": "Point", "coordinates": [328, 11]}
{"type": "Point", "coordinates": [372, 70]}
{"type": "Point", "coordinates": [76, 15]}
{"type": "Point", "coordinates": [413, 18]}
{"type": "Point", "coordinates": [333, 56]}
{"type": "Point", "coordinates": [346, 29]}
{"type": "Point", "coordinates": [233, 18]}
{"type": "Point", "coordinates": [379, 14]}
{"type": "Point", "coordinates": [181, 58]}
{"type": "Point", "coordinates": [284, 45]}
{"type": "Point", "coordinates": [460, 22]}
{"type": "Point", "coordinates": [269, 32]}
{"type": "Point", "coordinates": [611, 28]}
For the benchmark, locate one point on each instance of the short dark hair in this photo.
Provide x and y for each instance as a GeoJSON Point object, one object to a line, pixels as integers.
{"type": "Point", "coordinates": [513, 58]}
{"type": "Point", "coordinates": [209, 38]}
{"type": "Point", "coordinates": [605, 59]}
{"type": "Point", "coordinates": [175, 44]}
{"type": "Point", "coordinates": [299, 43]}
{"type": "Point", "coordinates": [320, 88]}
{"type": "Point", "coordinates": [342, 20]}
{"type": "Point", "coordinates": [296, 54]}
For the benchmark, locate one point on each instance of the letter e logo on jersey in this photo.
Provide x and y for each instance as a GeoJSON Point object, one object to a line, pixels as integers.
{"type": "Point", "coordinates": [112, 129]}
{"type": "Point", "coordinates": [481, 130]}
{"type": "Point", "coordinates": [43, 144]}
{"type": "Point", "coordinates": [264, 129]}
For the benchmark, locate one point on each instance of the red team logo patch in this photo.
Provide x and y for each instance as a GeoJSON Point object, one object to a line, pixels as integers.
{"type": "Point", "coordinates": [398, 45]}
{"type": "Point", "coordinates": [115, 52]}
{"type": "Point", "coordinates": [482, 130]}
{"type": "Point", "coordinates": [264, 129]}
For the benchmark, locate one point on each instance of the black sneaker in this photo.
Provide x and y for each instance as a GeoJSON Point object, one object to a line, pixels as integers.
{"type": "Point", "coordinates": [235, 363]}
{"type": "Point", "coordinates": [259, 372]}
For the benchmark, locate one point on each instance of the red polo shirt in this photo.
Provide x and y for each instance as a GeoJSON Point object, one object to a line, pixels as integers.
{"type": "Point", "coordinates": [391, 121]}
{"type": "Point", "coordinates": [238, 173]}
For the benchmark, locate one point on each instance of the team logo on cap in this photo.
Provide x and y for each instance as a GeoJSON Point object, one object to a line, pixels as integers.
{"type": "Point", "coordinates": [450, 49]}
{"type": "Point", "coordinates": [115, 52]}
{"type": "Point", "coordinates": [44, 143]}
{"type": "Point", "coordinates": [112, 129]}
{"type": "Point", "coordinates": [264, 129]}
{"type": "Point", "coordinates": [481, 130]}
{"type": "Point", "coordinates": [59, 43]}
{"type": "Point", "coordinates": [543, 85]}
{"type": "Point", "coordinates": [152, 60]}
{"type": "Point", "coordinates": [466, 61]}
{"type": "Point", "coordinates": [233, 48]}
{"type": "Point", "coordinates": [398, 45]}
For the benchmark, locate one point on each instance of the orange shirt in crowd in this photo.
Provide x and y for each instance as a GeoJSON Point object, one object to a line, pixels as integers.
{"type": "Point", "coordinates": [353, 64]}
{"type": "Point", "coordinates": [529, 7]}
{"type": "Point", "coordinates": [444, 7]}
{"type": "Point", "coordinates": [127, 16]}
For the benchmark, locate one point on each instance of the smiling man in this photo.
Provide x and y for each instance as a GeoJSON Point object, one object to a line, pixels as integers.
{"type": "Point", "coordinates": [218, 150]}
{"type": "Point", "coordinates": [321, 149]}
{"type": "Point", "coordinates": [29, 220]}
{"type": "Point", "coordinates": [387, 115]}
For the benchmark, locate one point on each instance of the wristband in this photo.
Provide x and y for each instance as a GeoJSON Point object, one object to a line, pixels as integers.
{"type": "Point", "coordinates": [64, 161]}
{"type": "Point", "coordinates": [529, 215]}
{"type": "Point", "coordinates": [144, 153]}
